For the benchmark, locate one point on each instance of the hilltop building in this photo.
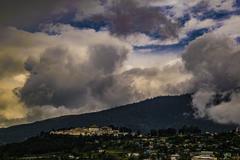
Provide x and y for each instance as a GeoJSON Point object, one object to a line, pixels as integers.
{"type": "Point", "coordinates": [205, 155]}
{"type": "Point", "coordinates": [91, 131]}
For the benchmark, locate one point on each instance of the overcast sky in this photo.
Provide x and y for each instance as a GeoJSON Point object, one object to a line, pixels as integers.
{"type": "Point", "coordinates": [60, 57]}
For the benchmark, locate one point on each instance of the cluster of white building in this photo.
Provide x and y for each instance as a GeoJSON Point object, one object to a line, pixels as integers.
{"type": "Point", "coordinates": [204, 155]}
{"type": "Point", "coordinates": [91, 131]}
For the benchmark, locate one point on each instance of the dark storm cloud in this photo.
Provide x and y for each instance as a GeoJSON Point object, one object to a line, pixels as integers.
{"type": "Point", "coordinates": [83, 75]}
{"type": "Point", "coordinates": [131, 16]}
{"type": "Point", "coordinates": [24, 13]}
{"type": "Point", "coordinates": [106, 58]}
{"type": "Point", "coordinates": [59, 79]}
{"type": "Point", "coordinates": [30, 14]}
{"type": "Point", "coordinates": [214, 63]}
{"type": "Point", "coordinates": [93, 75]}
{"type": "Point", "coordinates": [123, 16]}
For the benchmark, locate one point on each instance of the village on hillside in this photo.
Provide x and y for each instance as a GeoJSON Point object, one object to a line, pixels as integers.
{"type": "Point", "coordinates": [111, 143]}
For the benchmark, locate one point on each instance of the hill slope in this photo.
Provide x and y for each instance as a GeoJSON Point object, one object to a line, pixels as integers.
{"type": "Point", "coordinates": [156, 113]}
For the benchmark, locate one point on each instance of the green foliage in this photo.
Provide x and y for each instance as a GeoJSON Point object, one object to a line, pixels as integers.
{"type": "Point", "coordinates": [153, 145]}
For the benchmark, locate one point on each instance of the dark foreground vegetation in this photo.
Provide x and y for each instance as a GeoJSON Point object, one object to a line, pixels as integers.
{"type": "Point", "coordinates": [157, 144]}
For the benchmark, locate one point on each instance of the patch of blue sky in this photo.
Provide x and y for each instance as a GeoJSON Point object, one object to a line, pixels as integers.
{"type": "Point", "coordinates": [237, 40]}
{"type": "Point", "coordinates": [84, 24]}
{"type": "Point", "coordinates": [154, 35]}
{"type": "Point", "coordinates": [201, 13]}
{"type": "Point", "coordinates": [97, 25]}
{"type": "Point", "coordinates": [177, 46]}
{"type": "Point", "coordinates": [182, 20]}
{"type": "Point", "coordinates": [160, 48]}
{"type": "Point", "coordinates": [237, 4]}
{"type": "Point", "coordinates": [216, 15]}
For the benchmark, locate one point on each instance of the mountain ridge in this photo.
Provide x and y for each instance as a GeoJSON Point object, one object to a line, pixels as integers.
{"type": "Point", "coordinates": [155, 113]}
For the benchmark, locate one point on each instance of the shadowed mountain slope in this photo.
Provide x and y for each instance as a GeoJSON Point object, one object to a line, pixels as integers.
{"type": "Point", "coordinates": [156, 113]}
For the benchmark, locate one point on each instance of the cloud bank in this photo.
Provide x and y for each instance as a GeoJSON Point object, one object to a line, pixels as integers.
{"type": "Point", "coordinates": [213, 61]}
{"type": "Point", "coordinates": [75, 79]}
{"type": "Point", "coordinates": [77, 71]}
{"type": "Point", "coordinates": [49, 68]}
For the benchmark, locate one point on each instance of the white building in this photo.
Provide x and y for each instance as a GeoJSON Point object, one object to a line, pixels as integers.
{"type": "Point", "coordinates": [175, 157]}
{"type": "Point", "coordinates": [205, 155]}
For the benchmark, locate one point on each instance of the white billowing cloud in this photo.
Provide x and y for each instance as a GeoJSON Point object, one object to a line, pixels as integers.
{"type": "Point", "coordinates": [157, 74]}
{"type": "Point", "coordinates": [200, 101]}
{"type": "Point", "coordinates": [226, 112]}
{"type": "Point", "coordinates": [77, 71]}
{"type": "Point", "coordinates": [88, 8]}
{"type": "Point", "coordinates": [147, 59]}
{"type": "Point", "coordinates": [221, 5]}
{"type": "Point", "coordinates": [17, 46]}
{"type": "Point", "coordinates": [195, 24]}
{"type": "Point", "coordinates": [227, 27]}
{"type": "Point", "coordinates": [213, 60]}
{"type": "Point", "coordinates": [40, 113]}
{"type": "Point", "coordinates": [88, 61]}
{"type": "Point", "coordinates": [153, 82]}
{"type": "Point", "coordinates": [179, 8]}
{"type": "Point", "coordinates": [141, 39]}
{"type": "Point", "coordinates": [230, 27]}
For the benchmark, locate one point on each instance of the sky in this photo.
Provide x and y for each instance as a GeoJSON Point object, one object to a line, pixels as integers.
{"type": "Point", "coordinates": [62, 57]}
